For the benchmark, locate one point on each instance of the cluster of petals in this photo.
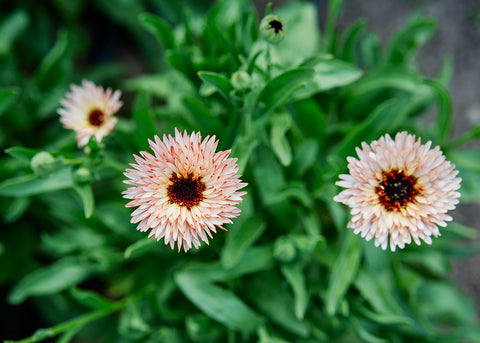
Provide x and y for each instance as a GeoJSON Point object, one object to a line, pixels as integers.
{"type": "Point", "coordinates": [433, 191]}
{"type": "Point", "coordinates": [89, 111]}
{"type": "Point", "coordinates": [160, 210]}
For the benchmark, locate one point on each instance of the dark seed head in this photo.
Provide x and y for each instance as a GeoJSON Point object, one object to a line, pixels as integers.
{"type": "Point", "coordinates": [396, 190]}
{"type": "Point", "coordinates": [186, 192]}
{"type": "Point", "coordinates": [96, 117]}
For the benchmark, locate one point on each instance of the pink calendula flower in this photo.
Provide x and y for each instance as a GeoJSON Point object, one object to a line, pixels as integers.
{"type": "Point", "coordinates": [400, 189]}
{"type": "Point", "coordinates": [184, 190]}
{"type": "Point", "coordinates": [89, 111]}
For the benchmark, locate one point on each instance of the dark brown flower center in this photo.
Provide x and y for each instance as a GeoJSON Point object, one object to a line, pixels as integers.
{"type": "Point", "coordinates": [96, 117]}
{"type": "Point", "coordinates": [186, 192]}
{"type": "Point", "coordinates": [276, 25]}
{"type": "Point", "coordinates": [396, 190]}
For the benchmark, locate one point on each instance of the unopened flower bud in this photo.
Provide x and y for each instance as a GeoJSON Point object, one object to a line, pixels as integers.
{"type": "Point", "coordinates": [272, 29]}
{"type": "Point", "coordinates": [82, 176]}
{"type": "Point", "coordinates": [42, 163]}
{"type": "Point", "coordinates": [240, 80]}
{"type": "Point", "coordinates": [284, 250]}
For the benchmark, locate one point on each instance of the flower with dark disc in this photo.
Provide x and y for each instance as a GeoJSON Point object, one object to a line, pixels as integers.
{"type": "Point", "coordinates": [89, 111]}
{"type": "Point", "coordinates": [399, 190]}
{"type": "Point", "coordinates": [184, 190]}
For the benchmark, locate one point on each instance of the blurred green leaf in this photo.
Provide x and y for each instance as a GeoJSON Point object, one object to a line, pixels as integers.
{"type": "Point", "coordinates": [343, 272]}
{"type": "Point", "coordinates": [8, 95]}
{"type": "Point", "coordinates": [242, 149]}
{"type": "Point", "coordinates": [221, 83]}
{"type": "Point", "coordinates": [240, 238]}
{"type": "Point", "coordinates": [140, 248]}
{"type": "Point", "coordinates": [159, 28]}
{"type": "Point", "coordinates": [54, 65]}
{"type": "Point", "coordinates": [11, 27]}
{"type": "Point", "coordinates": [280, 89]}
{"type": "Point", "coordinates": [363, 333]}
{"type": "Point", "coordinates": [329, 73]}
{"type": "Point", "coordinates": [144, 123]}
{"type": "Point", "coordinates": [305, 157]}
{"type": "Point", "coordinates": [351, 40]}
{"type": "Point", "coordinates": [408, 39]}
{"type": "Point", "coordinates": [296, 279]}
{"type": "Point", "coordinates": [28, 185]}
{"type": "Point", "coordinates": [277, 303]}
{"type": "Point", "coordinates": [201, 328]}
{"type": "Point", "coordinates": [279, 143]}
{"type": "Point", "coordinates": [85, 193]}
{"type": "Point", "coordinates": [21, 153]}
{"type": "Point", "coordinates": [218, 303]}
{"type": "Point", "coordinates": [51, 279]}
{"type": "Point", "coordinates": [89, 298]}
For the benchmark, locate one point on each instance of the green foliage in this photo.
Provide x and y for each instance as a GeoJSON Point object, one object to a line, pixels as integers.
{"type": "Point", "coordinates": [287, 269]}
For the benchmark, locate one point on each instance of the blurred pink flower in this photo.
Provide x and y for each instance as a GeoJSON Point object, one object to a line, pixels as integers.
{"type": "Point", "coordinates": [185, 190]}
{"type": "Point", "coordinates": [88, 110]}
{"type": "Point", "coordinates": [399, 188]}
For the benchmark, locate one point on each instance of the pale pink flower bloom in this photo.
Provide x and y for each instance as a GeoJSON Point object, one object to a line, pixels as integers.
{"type": "Point", "coordinates": [89, 111]}
{"type": "Point", "coordinates": [400, 189]}
{"type": "Point", "coordinates": [185, 190]}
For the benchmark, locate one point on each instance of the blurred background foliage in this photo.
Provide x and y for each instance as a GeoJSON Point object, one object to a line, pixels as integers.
{"type": "Point", "coordinates": [287, 270]}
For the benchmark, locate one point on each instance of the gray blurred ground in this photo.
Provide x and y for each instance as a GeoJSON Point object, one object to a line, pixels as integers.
{"type": "Point", "coordinates": [458, 35]}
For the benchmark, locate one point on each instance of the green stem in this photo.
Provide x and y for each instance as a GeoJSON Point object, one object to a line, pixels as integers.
{"type": "Point", "coordinates": [42, 334]}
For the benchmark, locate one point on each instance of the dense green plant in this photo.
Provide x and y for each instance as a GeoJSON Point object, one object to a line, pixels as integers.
{"type": "Point", "coordinates": [287, 269]}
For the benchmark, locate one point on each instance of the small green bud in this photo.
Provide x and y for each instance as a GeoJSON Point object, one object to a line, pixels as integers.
{"type": "Point", "coordinates": [272, 29]}
{"type": "Point", "coordinates": [284, 250]}
{"type": "Point", "coordinates": [42, 163]}
{"type": "Point", "coordinates": [240, 80]}
{"type": "Point", "coordinates": [82, 176]}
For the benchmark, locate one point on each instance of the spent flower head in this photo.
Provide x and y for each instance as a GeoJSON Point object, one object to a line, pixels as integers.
{"type": "Point", "coordinates": [399, 189]}
{"type": "Point", "coordinates": [184, 190]}
{"type": "Point", "coordinates": [89, 111]}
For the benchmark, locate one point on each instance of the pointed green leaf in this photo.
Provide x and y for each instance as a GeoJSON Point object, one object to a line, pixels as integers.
{"type": "Point", "coordinates": [218, 303]}
{"type": "Point", "coordinates": [343, 272]}
{"type": "Point", "coordinates": [31, 184]}
{"type": "Point", "coordinates": [51, 279]}
{"type": "Point", "coordinates": [281, 123]}
{"type": "Point", "coordinates": [11, 27]}
{"type": "Point", "coordinates": [221, 83]}
{"type": "Point", "coordinates": [86, 196]}
{"type": "Point", "coordinates": [144, 124]}
{"type": "Point", "coordinates": [280, 89]}
{"type": "Point", "coordinates": [296, 279]}
{"type": "Point", "coordinates": [239, 239]}
{"type": "Point", "coordinates": [159, 28]}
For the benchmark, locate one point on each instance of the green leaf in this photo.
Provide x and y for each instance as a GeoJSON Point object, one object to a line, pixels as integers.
{"type": "Point", "coordinates": [444, 120]}
{"type": "Point", "coordinates": [219, 304]}
{"type": "Point", "coordinates": [279, 143]}
{"type": "Point", "coordinates": [329, 73]}
{"type": "Point", "coordinates": [296, 279]}
{"type": "Point", "coordinates": [140, 248]}
{"type": "Point", "coordinates": [21, 153]}
{"type": "Point", "coordinates": [144, 124]}
{"type": "Point", "coordinates": [409, 39]}
{"type": "Point", "coordinates": [386, 117]}
{"type": "Point", "coordinates": [277, 303]}
{"type": "Point", "coordinates": [159, 28]}
{"type": "Point", "coordinates": [8, 95]}
{"type": "Point", "coordinates": [305, 157]}
{"type": "Point", "coordinates": [89, 298]}
{"type": "Point", "coordinates": [53, 66]}
{"type": "Point", "coordinates": [242, 149]}
{"type": "Point", "coordinates": [280, 89]}
{"type": "Point", "coordinates": [51, 279]}
{"type": "Point", "coordinates": [31, 184]}
{"type": "Point", "coordinates": [343, 272]}
{"type": "Point", "coordinates": [240, 238]}
{"type": "Point", "coordinates": [219, 82]}
{"type": "Point", "coordinates": [363, 333]}
{"type": "Point", "coordinates": [85, 193]}
{"type": "Point", "coordinates": [205, 121]}
{"type": "Point", "coordinates": [10, 28]}
{"type": "Point", "coordinates": [351, 40]}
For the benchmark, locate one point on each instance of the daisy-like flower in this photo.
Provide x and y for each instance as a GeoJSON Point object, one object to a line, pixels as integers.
{"type": "Point", "coordinates": [89, 110]}
{"type": "Point", "coordinates": [400, 189]}
{"type": "Point", "coordinates": [185, 190]}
